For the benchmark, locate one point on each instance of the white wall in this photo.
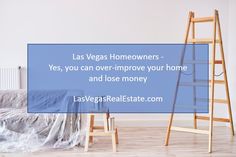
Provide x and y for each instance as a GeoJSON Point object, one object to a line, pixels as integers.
{"type": "Point", "coordinates": [103, 21]}
{"type": "Point", "coordinates": [232, 54]}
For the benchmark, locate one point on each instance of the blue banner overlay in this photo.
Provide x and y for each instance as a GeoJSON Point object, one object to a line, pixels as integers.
{"type": "Point", "coordinates": [118, 78]}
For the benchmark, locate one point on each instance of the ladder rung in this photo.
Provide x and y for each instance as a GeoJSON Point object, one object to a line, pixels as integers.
{"type": "Point", "coordinates": [203, 41]}
{"type": "Point", "coordinates": [221, 101]}
{"type": "Point", "coordinates": [101, 133]}
{"type": "Point", "coordinates": [191, 106]}
{"type": "Point", "coordinates": [98, 127]}
{"type": "Point", "coordinates": [217, 62]}
{"type": "Point", "coordinates": [202, 19]}
{"type": "Point", "coordinates": [218, 81]}
{"type": "Point", "coordinates": [196, 83]}
{"type": "Point", "coordinates": [215, 119]}
{"type": "Point", "coordinates": [202, 62]}
{"type": "Point", "coordinates": [189, 130]}
{"type": "Point", "coordinates": [196, 62]}
{"type": "Point", "coordinates": [209, 81]}
{"type": "Point", "coordinates": [201, 83]}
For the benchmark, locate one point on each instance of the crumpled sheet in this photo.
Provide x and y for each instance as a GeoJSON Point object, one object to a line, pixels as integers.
{"type": "Point", "coordinates": [24, 132]}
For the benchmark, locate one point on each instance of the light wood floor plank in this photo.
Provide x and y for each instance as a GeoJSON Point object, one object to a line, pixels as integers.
{"type": "Point", "coordinates": [149, 142]}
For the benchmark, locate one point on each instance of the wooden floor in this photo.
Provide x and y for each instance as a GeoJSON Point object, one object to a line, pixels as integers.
{"type": "Point", "coordinates": [148, 142]}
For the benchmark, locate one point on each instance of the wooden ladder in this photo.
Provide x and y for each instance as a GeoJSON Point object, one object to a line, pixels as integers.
{"type": "Point", "coordinates": [213, 41]}
{"type": "Point", "coordinates": [105, 130]}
